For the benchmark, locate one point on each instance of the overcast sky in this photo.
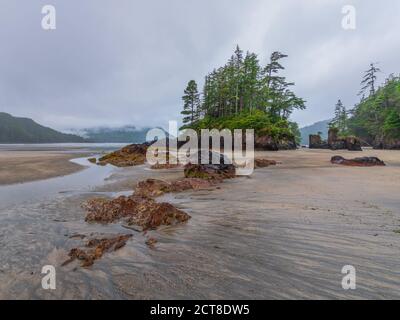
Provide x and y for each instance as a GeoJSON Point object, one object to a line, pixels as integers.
{"type": "Point", "coordinates": [127, 62]}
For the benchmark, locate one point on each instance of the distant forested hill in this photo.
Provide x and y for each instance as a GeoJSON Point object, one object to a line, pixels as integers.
{"type": "Point", "coordinates": [24, 130]}
{"type": "Point", "coordinates": [126, 134]}
{"type": "Point", "coordinates": [321, 126]}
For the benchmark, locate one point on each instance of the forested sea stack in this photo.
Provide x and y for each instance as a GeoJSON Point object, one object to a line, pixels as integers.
{"type": "Point", "coordinates": [242, 94]}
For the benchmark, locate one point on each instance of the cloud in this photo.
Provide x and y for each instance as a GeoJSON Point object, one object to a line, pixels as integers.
{"type": "Point", "coordinates": [127, 62]}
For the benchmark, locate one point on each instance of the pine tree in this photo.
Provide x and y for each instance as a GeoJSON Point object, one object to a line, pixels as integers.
{"type": "Point", "coordinates": [340, 118]}
{"type": "Point", "coordinates": [191, 103]}
{"type": "Point", "coordinates": [369, 80]}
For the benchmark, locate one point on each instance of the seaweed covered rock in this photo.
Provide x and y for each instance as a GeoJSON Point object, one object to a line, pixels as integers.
{"type": "Point", "coordinates": [95, 249]}
{"type": "Point", "coordinates": [155, 187]}
{"type": "Point", "coordinates": [131, 155]}
{"type": "Point", "coordinates": [134, 210]}
{"type": "Point", "coordinates": [358, 162]}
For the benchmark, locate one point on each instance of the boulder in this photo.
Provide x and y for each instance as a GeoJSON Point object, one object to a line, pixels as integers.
{"type": "Point", "coordinates": [358, 162]}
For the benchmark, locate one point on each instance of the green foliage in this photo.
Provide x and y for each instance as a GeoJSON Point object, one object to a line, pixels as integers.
{"type": "Point", "coordinates": [191, 103]}
{"type": "Point", "coordinates": [244, 95]}
{"type": "Point", "coordinates": [340, 119]}
{"type": "Point", "coordinates": [257, 120]}
{"type": "Point", "coordinates": [377, 117]}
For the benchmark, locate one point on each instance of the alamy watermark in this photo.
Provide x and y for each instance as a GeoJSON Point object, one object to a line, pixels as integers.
{"type": "Point", "coordinates": [349, 280]}
{"type": "Point", "coordinates": [49, 280]}
{"type": "Point", "coordinates": [236, 148]}
{"type": "Point", "coordinates": [49, 18]}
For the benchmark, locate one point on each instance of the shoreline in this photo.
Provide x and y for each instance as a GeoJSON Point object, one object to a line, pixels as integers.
{"type": "Point", "coordinates": [292, 226]}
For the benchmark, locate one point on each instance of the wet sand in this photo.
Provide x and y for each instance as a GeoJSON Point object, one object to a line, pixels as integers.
{"type": "Point", "coordinates": [283, 233]}
{"type": "Point", "coordinates": [24, 166]}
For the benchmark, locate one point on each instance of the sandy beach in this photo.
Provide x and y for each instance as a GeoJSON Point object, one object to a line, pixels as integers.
{"type": "Point", "coordinates": [24, 166]}
{"type": "Point", "coordinates": [283, 233]}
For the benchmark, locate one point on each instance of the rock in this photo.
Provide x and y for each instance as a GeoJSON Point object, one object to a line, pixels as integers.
{"type": "Point", "coordinates": [210, 171]}
{"type": "Point", "coordinates": [389, 144]}
{"type": "Point", "coordinates": [155, 188]}
{"type": "Point", "coordinates": [131, 155]}
{"type": "Point", "coordinates": [135, 210]}
{"type": "Point", "coordinates": [353, 144]}
{"type": "Point", "coordinates": [262, 163]}
{"type": "Point", "coordinates": [95, 248]}
{"type": "Point", "coordinates": [358, 162]}
{"type": "Point", "coordinates": [334, 142]}
{"type": "Point", "coordinates": [266, 143]}
{"type": "Point", "coordinates": [315, 142]}
{"type": "Point", "coordinates": [92, 160]}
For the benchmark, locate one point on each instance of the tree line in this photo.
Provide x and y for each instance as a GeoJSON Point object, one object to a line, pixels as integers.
{"type": "Point", "coordinates": [241, 86]}
{"type": "Point", "coordinates": [377, 116]}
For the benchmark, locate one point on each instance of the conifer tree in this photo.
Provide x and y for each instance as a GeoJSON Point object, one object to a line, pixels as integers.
{"type": "Point", "coordinates": [191, 103]}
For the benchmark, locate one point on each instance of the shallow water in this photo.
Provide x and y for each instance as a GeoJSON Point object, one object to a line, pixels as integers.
{"type": "Point", "coordinates": [84, 180]}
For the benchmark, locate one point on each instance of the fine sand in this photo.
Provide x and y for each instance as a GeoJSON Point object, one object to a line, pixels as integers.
{"type": "Point", "coordinates": [24, 166]}
{"type": "Point", "coordinates": [284, 232]}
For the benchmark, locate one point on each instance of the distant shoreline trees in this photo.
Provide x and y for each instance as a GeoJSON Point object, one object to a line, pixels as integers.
{"type": "Point", "coordinates": [376, 118]}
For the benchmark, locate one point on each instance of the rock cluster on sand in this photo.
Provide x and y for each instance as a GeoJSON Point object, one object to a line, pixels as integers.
{"type": "Point", "coordinates": [134, 210]}
{"type": "Point", "coordinates": [95, 248]}
{"type": "Point", "coordinates": [334, 142]}
{"type": "Point", "coordinates": [358, 162]}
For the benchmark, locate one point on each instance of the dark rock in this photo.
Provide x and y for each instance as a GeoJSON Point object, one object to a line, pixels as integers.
{"type": "Point", "coordinates": [210, 171]}
{"type": "Point", "coordinates": [358, 162]}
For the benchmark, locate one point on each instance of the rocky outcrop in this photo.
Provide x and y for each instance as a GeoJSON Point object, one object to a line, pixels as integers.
{"type": "Point", "coordinates": [387, 144]}
{"type": "Point", "coordinates": [95, 249]}
{"type": "Point", "coordinates": [131, 155]}
{"type": "Point", "coordinates": [267, 143]}
{"type": "Point", "coordinates": [134, 210]}
{"type": "Point", "coordinates": [334, 142]}
{"type": "Point", "coordinates": [358, 162]}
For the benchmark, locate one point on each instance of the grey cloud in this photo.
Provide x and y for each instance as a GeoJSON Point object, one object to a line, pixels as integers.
{"type": "Point", "coordinates": [127, 62]}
